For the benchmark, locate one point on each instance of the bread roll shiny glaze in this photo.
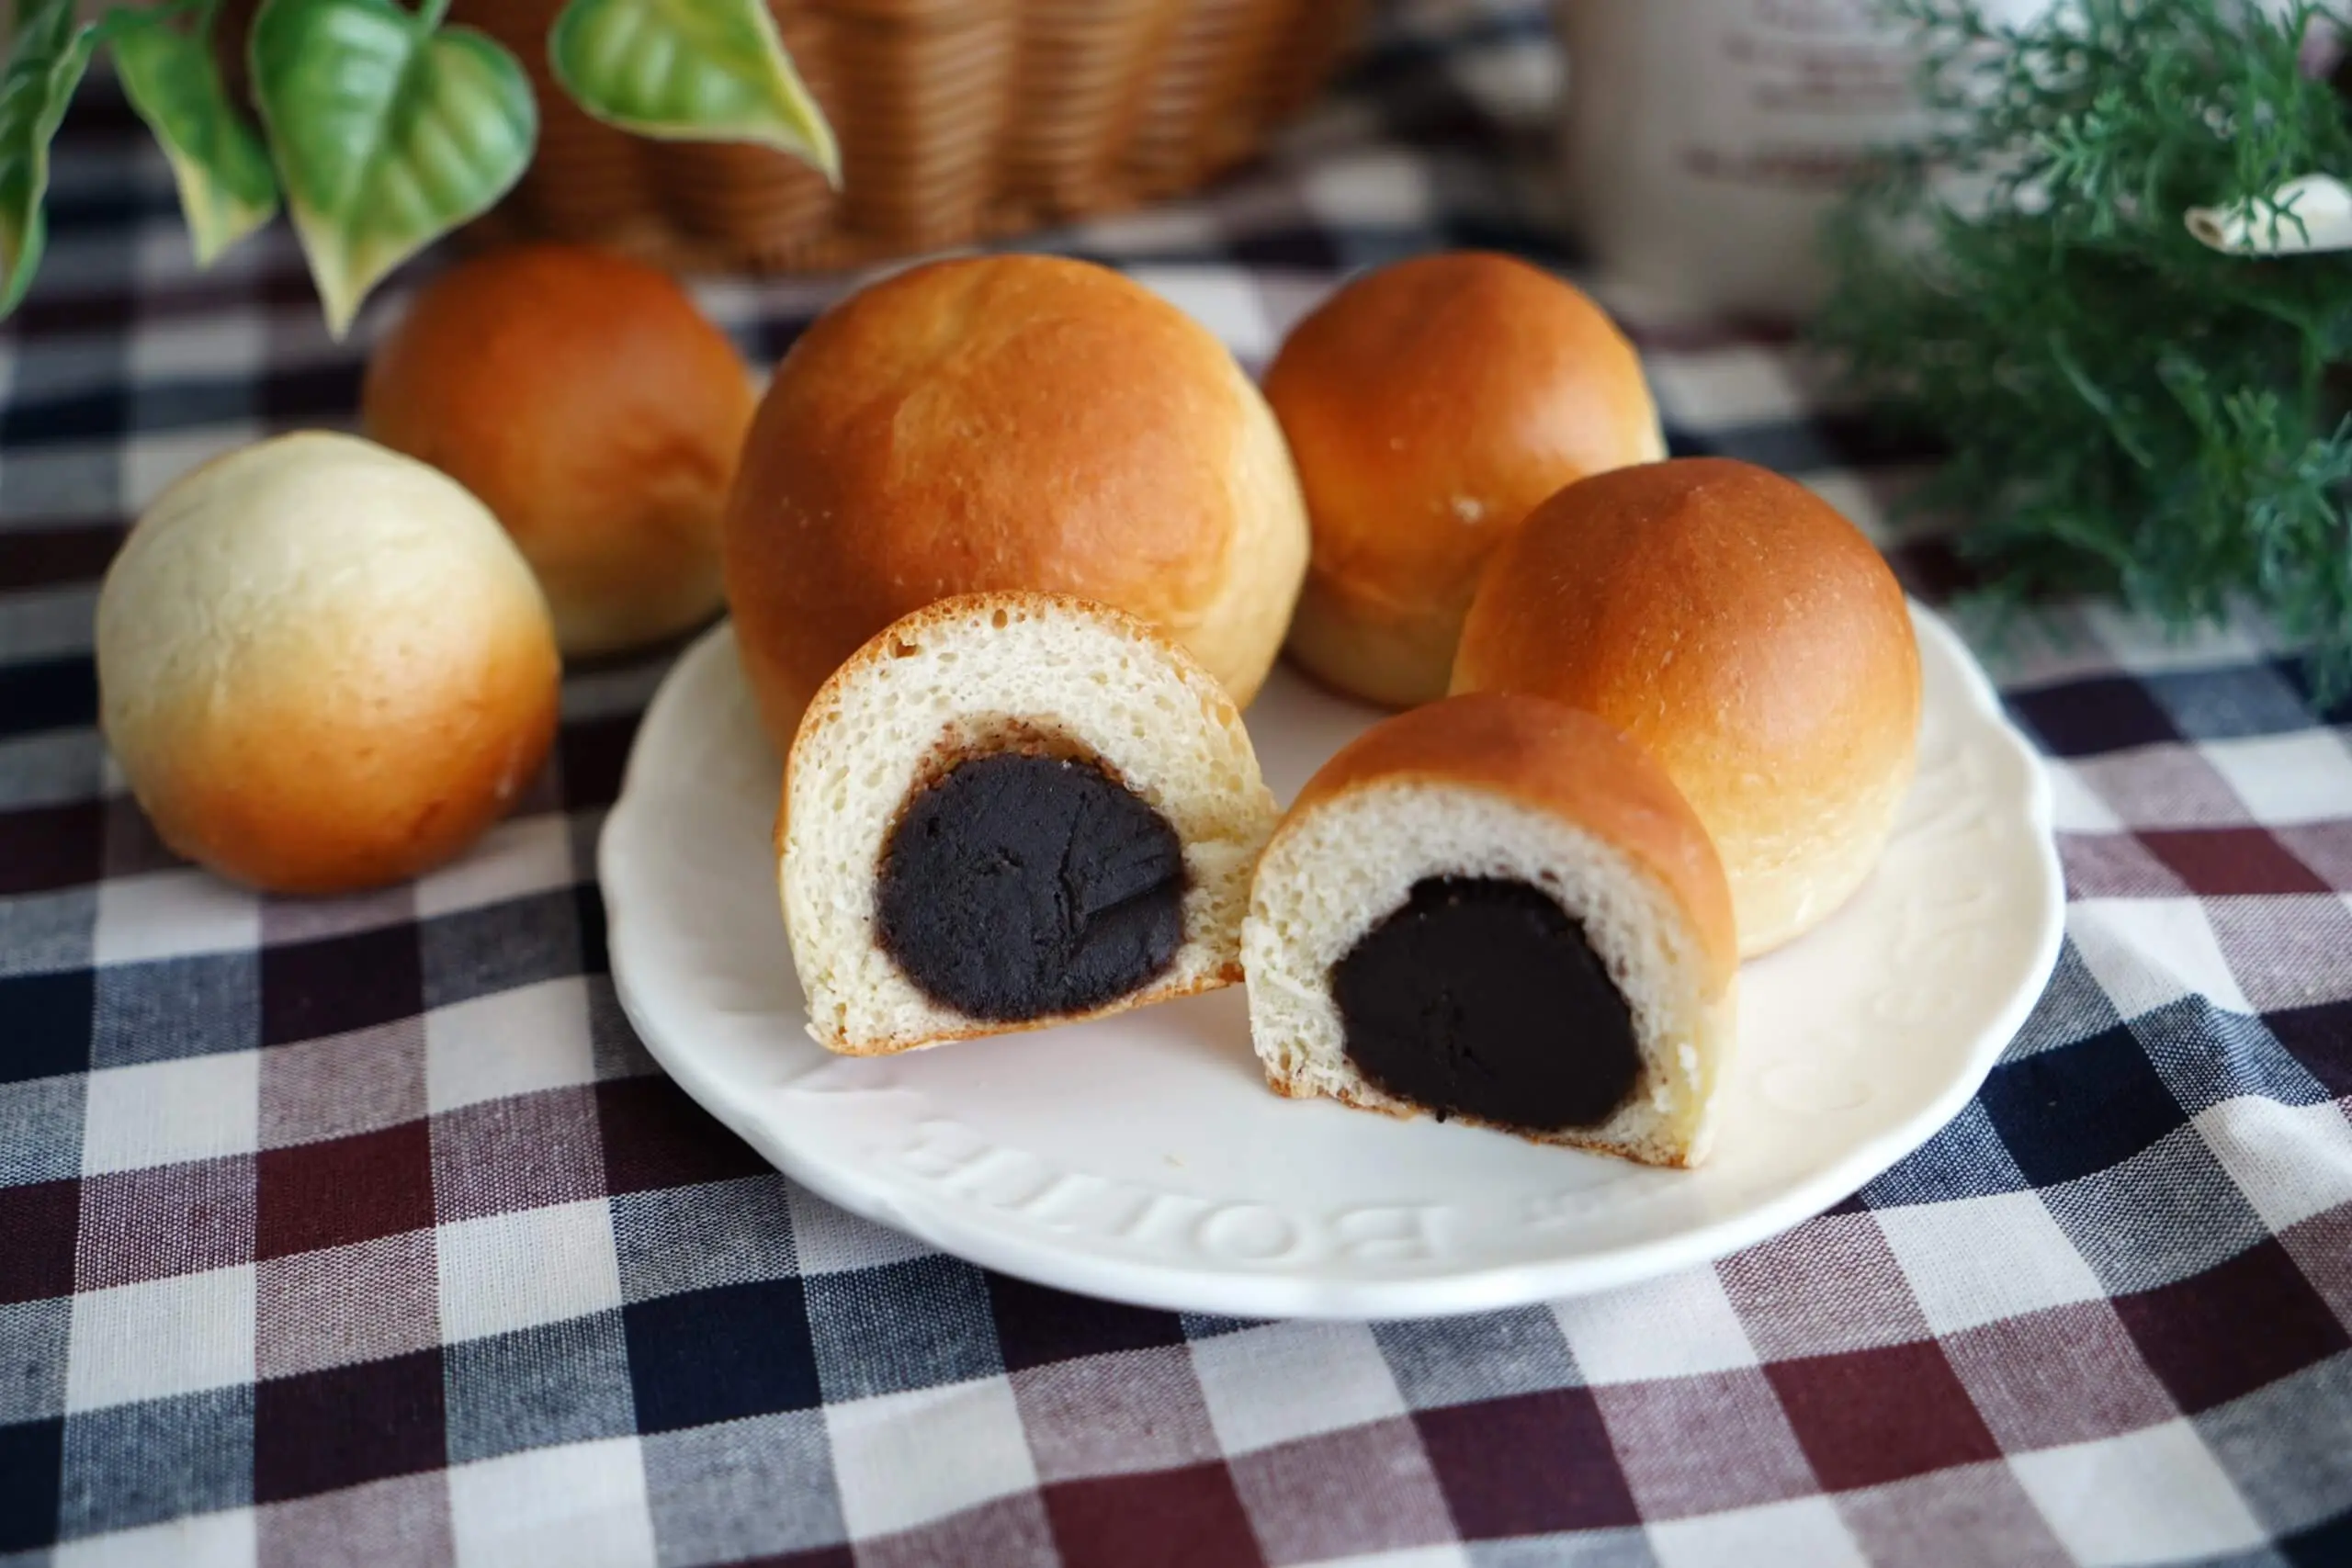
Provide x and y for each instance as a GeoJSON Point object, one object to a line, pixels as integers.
{"type": "Point", "coordinates": [1010, 423]}
{"type": "Point", "coordinates": [590, 407]}
{"type": "Point", "coordinates": [1429, 406]}
{"type": "Point", "coordinates": [322, 666]}
{"type": "Point", "coordinates": [1745, 634]}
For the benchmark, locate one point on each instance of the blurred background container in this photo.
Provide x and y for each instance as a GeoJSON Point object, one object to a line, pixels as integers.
{"type": "Point", "coordinates": [958, 119]}
{"type": "Point", "coordinates": [1703, 141]}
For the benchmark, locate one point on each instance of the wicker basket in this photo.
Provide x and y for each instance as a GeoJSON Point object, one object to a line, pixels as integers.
{"type": "Point", "coordinates": [958, 119]}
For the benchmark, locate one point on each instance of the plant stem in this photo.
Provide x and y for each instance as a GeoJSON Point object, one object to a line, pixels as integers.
{"type": "Point", "coordinates": [432, 11]}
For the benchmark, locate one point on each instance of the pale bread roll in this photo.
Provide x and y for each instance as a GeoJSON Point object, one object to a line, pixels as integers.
{"type": "Point", "coordinates": [1518, 790]}
{"type": "Point", "coordinates": [979, 678]}
{"type": "Point", "coordinates": [1744, 634]}
{"type": "Point", "coordinates": [322, 666]}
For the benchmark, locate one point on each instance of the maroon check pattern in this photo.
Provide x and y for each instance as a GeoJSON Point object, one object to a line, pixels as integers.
{"type": "Point", "coordinates": [366, 1232]}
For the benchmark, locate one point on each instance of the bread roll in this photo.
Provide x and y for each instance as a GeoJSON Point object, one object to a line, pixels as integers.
{"type": "Point", "coordinates": [322, 666]}
{"type": "Point", "coordinates": [1748, 637]}
{"type": "Point", "coordinates": [1009, 422]}
{"type": "Point", "coordinates": [1429, 406]}
{"type": "Point", "coordinates": [1009, 810]}
{"type": "Point", "coordinates": [594, 409]}
{"type": "Point", "coordinates": [1497, 909]}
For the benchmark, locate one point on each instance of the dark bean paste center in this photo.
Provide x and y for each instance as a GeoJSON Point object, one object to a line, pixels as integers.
{"type": "Point", "coordinates": [1020, 887]}
{"type": "Point", "coordinates": [1482, 997]}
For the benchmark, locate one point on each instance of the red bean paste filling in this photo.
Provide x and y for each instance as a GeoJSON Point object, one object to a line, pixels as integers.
{"type": "Point", "coordinates": [1482, 997]}
{"type": "Point", "coordinates": [1020, 887]}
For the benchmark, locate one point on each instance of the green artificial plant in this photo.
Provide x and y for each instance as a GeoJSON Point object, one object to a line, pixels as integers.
{"type": "Point", "coordinates": [2126, 409]}
{"type": "Point", "coordinates": [378, 127]}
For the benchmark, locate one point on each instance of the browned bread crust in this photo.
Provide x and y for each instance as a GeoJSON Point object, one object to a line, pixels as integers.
{"type": "Point", "coordinates": [1008, 422]}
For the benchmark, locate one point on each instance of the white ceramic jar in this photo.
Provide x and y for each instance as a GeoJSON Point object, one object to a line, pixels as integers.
{"type": "Point", "coordinates": [1703, 140]}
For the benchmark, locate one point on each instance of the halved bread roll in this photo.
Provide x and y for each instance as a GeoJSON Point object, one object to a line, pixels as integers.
{"type": "Point", "coordinates": [1009, 810]}
{"type": "Point", "coordinates": [1499, 910]}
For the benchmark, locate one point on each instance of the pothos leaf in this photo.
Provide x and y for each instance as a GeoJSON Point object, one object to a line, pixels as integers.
{"type": "Point", "coordinates": [388, 133]}
{"type": "Point", "coordinates": [690, 70]}
{"type": "Point", "coordinates": [172, 80]}
{"type": "Point", "coordinates": [50, 52]}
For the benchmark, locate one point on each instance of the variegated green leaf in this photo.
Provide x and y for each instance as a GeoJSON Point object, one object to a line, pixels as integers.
{"type": "Point", "coordinates": [172, 80]}
{"type": "Point", "coordinates": [51, 50]}
{"type": "Point", "coordinates": [690, 70]}
{"type": "Point", "coordinates": [388, 133]}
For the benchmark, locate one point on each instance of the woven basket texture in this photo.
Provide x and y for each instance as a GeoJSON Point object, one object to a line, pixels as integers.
{"type": "Point", "coordinates": [959, 120]}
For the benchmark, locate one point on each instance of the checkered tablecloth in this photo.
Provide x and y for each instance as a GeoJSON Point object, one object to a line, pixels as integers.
{"type": "Point", "coordinates": [365, 1232]}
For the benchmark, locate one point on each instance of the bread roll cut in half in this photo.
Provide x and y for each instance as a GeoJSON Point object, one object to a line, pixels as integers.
{"type": "Point", "coordinates": [1009, 422]}
{"type": "Point", "coordinates": [1497, 909]}
{"type": "Point", "coordinates": [1429, 406]}
{"type": "Point", "coordinates": [322, 666]}
{"type": "Point", "coordinates": [1744, 634]}
{"type": "Point", "coordinates": [1011, 810]}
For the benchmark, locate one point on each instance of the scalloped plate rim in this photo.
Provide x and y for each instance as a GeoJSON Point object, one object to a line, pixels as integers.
{"type": "Point", "coordinates": [949, 1227]}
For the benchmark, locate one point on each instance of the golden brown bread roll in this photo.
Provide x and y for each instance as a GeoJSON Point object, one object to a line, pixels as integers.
{"type": "Point", "coordinates": [1745, 634]}
{"type": "Point", "coordinates": [1500, 909]}
{"type": "Point", "coordinates": [322, 666]}
{"type": "Point", "coordinates": [1009, 422]}
{"type": "Point", "coordinates": [590, 406]}
{"type": "Point", "coordinates": [1429, 406]}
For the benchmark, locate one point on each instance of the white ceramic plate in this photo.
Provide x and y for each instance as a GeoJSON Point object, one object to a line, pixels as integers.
{"type": "Point", "coordinates": [1142, 1158]}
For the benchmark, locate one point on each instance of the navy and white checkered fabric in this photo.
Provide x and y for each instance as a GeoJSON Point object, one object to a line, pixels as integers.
{"type": "Point", "coordinates": [365, 1232]}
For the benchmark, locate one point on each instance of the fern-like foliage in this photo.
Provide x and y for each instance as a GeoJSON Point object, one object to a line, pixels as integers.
{"type": "Point", "coordinates": [2126, 410]}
